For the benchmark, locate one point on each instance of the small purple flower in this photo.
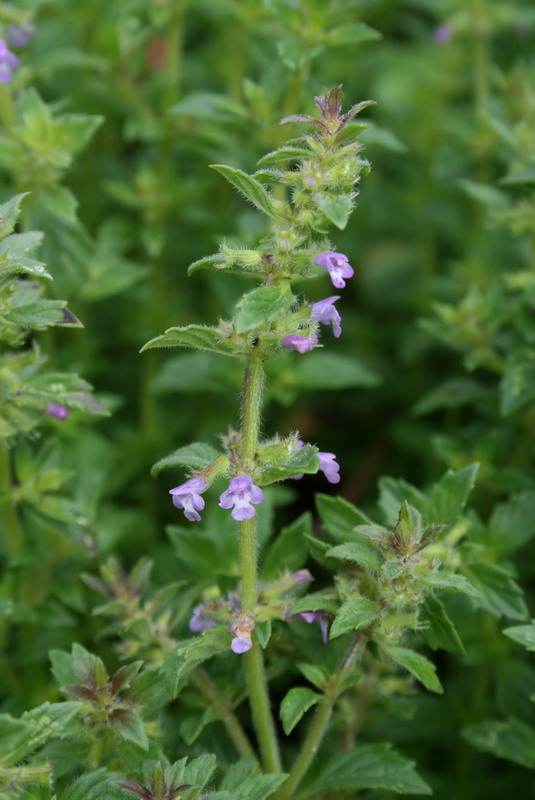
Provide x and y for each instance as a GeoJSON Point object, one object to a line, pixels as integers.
{"type": "Point", "coordinates": [301, 576]}
{"type": "Point", "coordinates": [8, 62]}
{"type": "Point", "coordinates": [337, 265]}
{"type": "Point", "coordinates": [321, 617]}
{"type": "Point", "coordinates": [329, 467]}
{"type": "Point", "coordinates": [240, 494]}
{"type": "Point", "coordinates": [301, 343]}
{"type": "Point", "coordinates": [325, 312]}
{"type": "Point", "coordinates": [442, 34]}
{"type": "Point", "coordinates": [55, 409]}
{"type": "Point", "coordinates": [20, 35]}
{"type": "Point", "coordinates": [188, 497]}
{"type": "Point", "coordinates": [241, 631]}
{"type": "Point", "coordinates": [199, 623]}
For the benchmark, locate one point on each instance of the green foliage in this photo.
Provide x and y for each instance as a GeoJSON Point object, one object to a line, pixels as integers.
{"type": "Point", "coordinates": [295, 704]}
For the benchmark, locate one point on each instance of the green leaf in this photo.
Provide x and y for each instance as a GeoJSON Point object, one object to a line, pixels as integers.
{"type": "Point", "coordinates": [216, 261]}
{"type": "Point", "coordinates": [418, 665]}
{"type": "Point", "coordinates": [200, 770]}
{"type": "Point", "coordinates": [289, 550]}
{"type": "Point", "coordinates": [318, 601]}
{"type": "Point", "coordinates": [517, 388]}
{"type": "Point", "coordinates": [336, 207]}
{"type": "Point", "coordinates": [303, 461]}
{"type": "Point", "coordinates": [499, 594]}
{"type": "Point", "coordinates": [489, 196]}
{"type": "Point", "coordinates": [440, 632]}
{"type": "Point", "coordinates": [314, 674]}
{"type": "Point", "coordinates": [187, 655]}
{"type": "Point", "coordinates": [393, 492]}
{"type": "Point", "coordinates": [331, 371]}
{"type": "Point", "coordinates": [373, 766]}
{"type": "Point", "coordinates": [512, 524]}
{"type": "Point", "coordinates": [352, 33]}
{"type": "Point", "coordinates": [512, 739]}
{"type": "Point", "coordinates": [93, 786]}
{"type": "Point", "coordinates": [354, 614]}
{"type": "Point", "coordinates": [450, 494]}
{"type": "Point", "coordinates": [248, 186]}
{"type": "Point", "coordinates": [197, 455]}
{"type": "Point", "coordinates": [440, 579]}
{"type": "Point", "coordinates": [360, 552]}
{"type": "Point", "coordinates": [286, 153]}
{"type": "Point", "coordinates": [243, 785]}
{"type": "Point", "coordinates": [523, 634]}
{"type": "Point", "coordinates": [294, 705]}
{"type": "Point", "coordinates": [522, 176]}
{"type": "Point", "coordinates": [262, 305]}
{"type": "Point", "coordinates": [9, 213]}
{"type": "Point", "coordinates": [452, 394]}
{"type": "Point", "coordinates": [198, 337]}
{"type": "Point", "coordinates": [129, 725]}
{"type": "Point", "coordinates": [43, 313]}
{"type": "Point", "coordinates": [340, 517]}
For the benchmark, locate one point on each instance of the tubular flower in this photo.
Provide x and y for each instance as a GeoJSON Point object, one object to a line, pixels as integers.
{"type": "Point", "coordinates": [58, 411]}
{"type": "Point", "coordinates": [325, 312]}
{"type": "Point", "coordinates": [337, 265]}
{"type": "Point", "coordinates": [188, 497]}
{"type": "Point", "coordinates": [300, 343]}
{"type": "Point", "coordinates": [329, 467]}
{"type": "Point", "coordinates": [198, 622]}
{"type": "Point", "coordinates": [239, 496]}
{"type": "Point", "coordinates": [8, 62]}
{"type": "Point", "coordinates": [241, 631]}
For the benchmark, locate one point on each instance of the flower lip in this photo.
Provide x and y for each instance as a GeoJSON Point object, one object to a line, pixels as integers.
{"type": "Point", "coordinates": [303, 344]}
{"type": "Point", "coordinates": [187, 497]}
{"type": "Point", "coordinates": [240, 496]}
{"type": "Point", "coordinates": [329, 467]}
{"type": "Point", "coordinates": [325, 312]}
{"type": "Point", "coordinates": [338, 266]}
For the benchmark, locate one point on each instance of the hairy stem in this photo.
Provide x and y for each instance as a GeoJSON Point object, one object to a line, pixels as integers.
{"type": "Point", "coordinates": [9, 520]}
{"type": "Point", "coordinates": [319, 724]}
{"type": "Point", "coordinates": [224, 712]}
{"type": "Point", "coordinates": [253, 659]}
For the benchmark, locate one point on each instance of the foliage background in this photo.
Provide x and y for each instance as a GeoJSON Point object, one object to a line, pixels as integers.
{"type": "Point", "coordinates": [446, 217]}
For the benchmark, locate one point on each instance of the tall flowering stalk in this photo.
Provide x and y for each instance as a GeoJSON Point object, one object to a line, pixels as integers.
{"type": "Point", "coordinates": [325, 167]}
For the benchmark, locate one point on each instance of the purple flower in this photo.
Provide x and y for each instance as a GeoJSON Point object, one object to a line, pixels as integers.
{"type": "Point", "coordinates": [19, 36]}
{"type": "Point", "coordinates": [55, 409]}
{"type": "Point", "coordinates": [240, 494]}
{"type": "Point", "coordinates": [199, 623]}
{"type": "Point", "coordinates": [325, 312]}
{"type": "Point", "coordinates": [241, 631]}
{"type": "Point", "coordinates": [301, 343]}
{"type": "Point", "coordinates": [329, 467]}
{"type": "Point", "coordinates": [442, 34]}
{"type": "Point", "coordinates": [301, 576]}
{"type": "Point", "coordinates": [319, 616]}
{"type": "Point", "coordinates": [188, 497]}
{"type": "Point", "coordinates": [338, 266]}
{"type": "Point", "coordinates": [8, 62]}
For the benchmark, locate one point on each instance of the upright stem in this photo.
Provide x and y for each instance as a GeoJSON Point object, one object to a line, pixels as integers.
{"type": "Point", "coordinates": [254, 661]}
{"type": "Point", "coordinates": [10, 525]}
{"type": "Point", "coordinates": [320, 722]}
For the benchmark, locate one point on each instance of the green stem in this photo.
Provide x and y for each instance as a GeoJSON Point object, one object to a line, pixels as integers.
{"type": "Point", "coordinates": [225, 713]}
{"type": "Point", "coordinates": [319, 724]}
{"type": "Point", "coordinates": [10, 524]}
{"type": "Point", "coordinates": [253, 659]}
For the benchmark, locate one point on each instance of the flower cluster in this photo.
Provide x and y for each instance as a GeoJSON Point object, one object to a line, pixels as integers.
{"type": "Point", "coordinates": [240, 496]}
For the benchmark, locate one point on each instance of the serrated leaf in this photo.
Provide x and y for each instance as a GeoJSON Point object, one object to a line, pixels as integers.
{"type": "Point", "coordinates": [23, 266]}
{"type": "Point", "coordinates": [287, 153]}
{"type": "Point", "coordinates": [374, 766]}
{"type": "Point", "coordinates": [450, 494]}
{"type": "Point", "coordinates": [440, 631]}
{"type": "Point", "coordinates": [440, 579]}
{"type": "Point", "coordinates": [43, 313]}
{"type": "Point", "coordinates": [248, 186]}
{"type": "Point", "coordinates": [294, 705]}
{"type": "Point", "coordinates": [417, 664]}
{"type": "Point", "coordinates": [499, 594]}
{"type": "Point", "coordinates": [303, 461]}
{"type": "Point", "coordinates": [336, 207]}
{"type": "Point", "coordinates": [360, 552]}
{"type": "Point", "coordinates": [197, 455]}
{"type": "Point", "coordinates": [199, 771]}
{"type": "Point", "coordinates": [340, 517]}
{"type": "Point", "coordinates": [512, 739]}
{"type": "Point", "coordinates": [93, 786]}
{"type": "Point", "coordinates": [129, 726]}
{"type": "Point", "coordinates": [185, 657]}
{"type": "Point", "coordinates": [393, 492]}
{"type": "Point", "coordinates": [9, 212]}
{"type": "Point", "coordinates": [523, 634]}
{"type": "Point", "coordinates": [198, 337]}
{"type": "Point", "coordinates": [354, 614]}
{"type": "Point", "coordinates": [317, 601]}
{"type": "Point", "coordinates": [262, 305]}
